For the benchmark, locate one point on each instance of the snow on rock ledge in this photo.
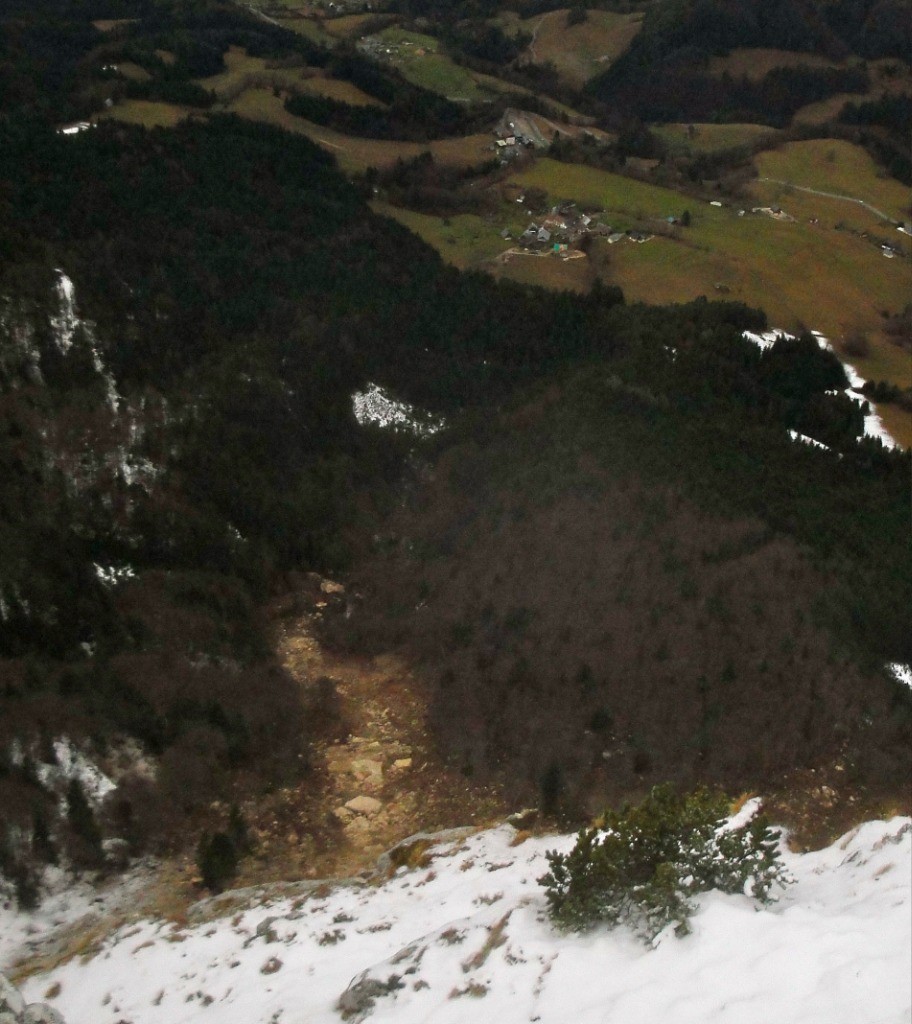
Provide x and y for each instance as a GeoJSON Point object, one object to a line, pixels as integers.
{"type": "Point", "coordinates": [466, 938]}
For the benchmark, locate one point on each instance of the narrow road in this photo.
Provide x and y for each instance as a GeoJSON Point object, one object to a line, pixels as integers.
{"type": "Point", "coordinates": [538, 25]}
{"type": "Point", "coordinates": [832, 195]}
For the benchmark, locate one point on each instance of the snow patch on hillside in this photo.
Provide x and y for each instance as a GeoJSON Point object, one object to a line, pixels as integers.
{"type": "Point", "coordinates": [67, 322]}
{"type": "Point", "coordinates": [873, 424]}
{"type": "Point", "coordinates": [804, 439]}
{"type": "Point", "coordinates": [901, 673]}
{"type": "Point", "coordinates": [467, 938]}
{"type": "Point", "coordinates": [375, 406]}
{"type": "Point", "coordinates": [71, 763]}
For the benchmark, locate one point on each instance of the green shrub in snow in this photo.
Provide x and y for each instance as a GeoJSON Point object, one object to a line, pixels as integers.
{"type": "Point", "coordinates": [644, 864]}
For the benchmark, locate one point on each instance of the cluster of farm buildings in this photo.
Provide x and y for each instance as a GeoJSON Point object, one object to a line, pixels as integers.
{"type": "Point", "coordinates": [566, 226]}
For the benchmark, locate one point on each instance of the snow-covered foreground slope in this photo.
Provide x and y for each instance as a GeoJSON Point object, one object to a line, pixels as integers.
{"type": "Point", "coordinates": [465, 938]}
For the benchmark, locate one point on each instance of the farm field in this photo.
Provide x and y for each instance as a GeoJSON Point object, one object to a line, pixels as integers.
{"type": "Point", "coordinates": [578, 52]}
{"type": "Point", "coordinates": [833, 165]}
{"type": "Point", "coordinates": [710, 138]}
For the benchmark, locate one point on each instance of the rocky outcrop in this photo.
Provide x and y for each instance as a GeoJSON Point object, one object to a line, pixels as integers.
{"type": "Point", "coordinates": [13, 1008]}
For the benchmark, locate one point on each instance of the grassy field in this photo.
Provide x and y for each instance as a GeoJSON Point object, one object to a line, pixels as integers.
{"type": "Point", "coordinates": [245, 72]}
{"type": "Point", "coordinates": [580, 51]}
{"type": "Point", "coordinates": [468, 242]}
{"type": "Point", "coordinates": [825, 110]}
{"type": "Point", "coordinates": [337, 89]}
{"type": "Point", "coordinates": [109, 24]}
{"type": "Point", "coordinates": [307, 27]}
{"type": "Point", "coordinates": [465, 240]}
{"type": "Point", "coordinates": [421, 61]}
{"type": "Point", "coordinates": [349, 26]}
{"type": "Point", "coordinates": [800, 273]}
{"type": "Point", "coordinates": [754, 63]}
{"type": "Point", "coordinates": [133, 71]}
{"type": "Point", "coordinates": [547, 272]}
{"type": "Point", "coordinates": [832, 165]}
{"type": "Point", "coordinates": [148, 113]}
{"type": "Point", "coordinates": [614, 193]}
{"type": "Point", "coordinates": [239, 66]}
{"type": "Point", "coordinates": [710, 138]}
{"type": "Point", "coordinates": [357, 154]}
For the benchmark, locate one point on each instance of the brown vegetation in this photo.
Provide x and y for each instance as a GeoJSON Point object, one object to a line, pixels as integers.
{"type": "Point", "coordinates": [588, 633]}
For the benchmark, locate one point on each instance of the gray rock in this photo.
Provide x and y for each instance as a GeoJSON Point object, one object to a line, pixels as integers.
{"type": "Point", "coordinates": [524, 818]}
{"type": "Point", "coordinates": [11, 1001]}
{"type": "Point", "coordinates": [41, 1013]}
{"type": "Point", "coordinates": [357, 1001]}
{"type": "Point", "coordinates": [265, 930]}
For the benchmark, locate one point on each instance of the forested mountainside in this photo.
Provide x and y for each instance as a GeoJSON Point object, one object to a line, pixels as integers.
{"type": "Point", "coordinates": [665, 76]}
{"type": "Point", "coordinates": [607, 589]}
{"type": "Point", "coordinates": [185, 316]}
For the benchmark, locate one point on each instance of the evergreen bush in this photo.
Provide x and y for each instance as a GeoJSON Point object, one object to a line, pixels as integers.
{"type": "Point", "coordinates": [642, 865]}
{"type": "Point", "coordinates": [217, 860]}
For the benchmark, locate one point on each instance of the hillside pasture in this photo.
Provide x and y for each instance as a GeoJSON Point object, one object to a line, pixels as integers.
{"type": "Point", "coordinates": [356, 154]}
{"type": "Point", "coordinates": [611, 192]}
{"type": "Point", "coordinates": [712, 138]}
{"type": "Point", "coordinates": [148, 113]}
{"type": "Point", "coordinates": [756, 62]}
{"type": "Point", "coordinates": [239, 68]}
{"type": "Point", "coordinates": [308, 27]}
{"type": "Point", "coordinates": [829, 109]}
{"type": "Point", "coordinates": [833, 165]}
{"type": "Point", "coordinates": [888, 77]}
{"type": "Point", "coordinates": [578, 52]}
{"type": "Point", "coordinates": [546, 271]}
{"type": "Point", "coordinates": [463, 240]}
{"type": "Point", "coordinates": [421, 61]}
{"type": "Point", "coordinates": [779, 266]}
{"type": "Point", "coordinates": [110, 24]}
{"type": "Point", "coordinates": [133, 72]}
{"type": "Point", "coordinates": [245, 72]}
{"type": "Point", "coordinates": [349, 26]}
{"type": "Point", "coordinates": [322, 84]}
